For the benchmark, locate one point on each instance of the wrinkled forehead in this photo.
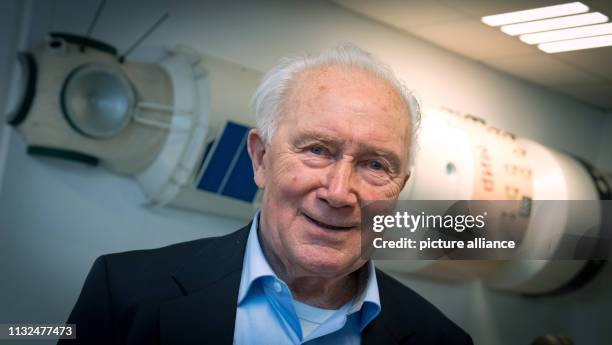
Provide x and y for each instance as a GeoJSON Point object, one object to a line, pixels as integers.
{"type": "Point", "coordinates": [330, 78]}
{"type": "Point", "coordinates": [333, 89]}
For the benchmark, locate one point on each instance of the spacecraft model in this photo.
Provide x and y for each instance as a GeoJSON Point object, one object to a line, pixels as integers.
{"type": "Point", "coordinates": [167, 122]}
{"type": "Point", "coordinates": [461, 157]}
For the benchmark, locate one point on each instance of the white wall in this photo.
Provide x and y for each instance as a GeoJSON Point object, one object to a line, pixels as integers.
{"type": "Point", "coordinates": [605, 154]}
{"type": "Point", "coordinates": [56, 217]}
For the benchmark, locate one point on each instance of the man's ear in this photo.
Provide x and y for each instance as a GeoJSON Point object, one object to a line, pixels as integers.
{"type": "Point", "coordinates": [406, 178]}
{"type": "Point", "coordinates": [257, 152]}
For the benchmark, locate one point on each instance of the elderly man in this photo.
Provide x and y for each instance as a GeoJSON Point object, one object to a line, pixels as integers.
{"type": "Point", "coordinates": [333, 132]}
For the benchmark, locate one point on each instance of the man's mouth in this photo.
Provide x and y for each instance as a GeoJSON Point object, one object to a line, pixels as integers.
{"type": "Point", "coordinates": [327, 226]}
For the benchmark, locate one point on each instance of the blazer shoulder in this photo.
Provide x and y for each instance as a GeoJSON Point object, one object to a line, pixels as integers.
{"type": "Point", "coordinates": [404, 308]}
{"type": "Point", "coordinates": [122, 293]}
{"type": "Point", "coordinates": [170, 257]}
{"type": "Point", "coordinates": [138, 275]}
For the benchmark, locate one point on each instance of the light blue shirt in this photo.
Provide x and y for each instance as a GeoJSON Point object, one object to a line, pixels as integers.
{"type": "Point", "coordinates": [266, 312]}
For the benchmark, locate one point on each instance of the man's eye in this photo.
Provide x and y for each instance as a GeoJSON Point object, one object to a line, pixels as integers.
{"type": "Point", "coordinates": [317, 150]}
{"type": "Point", "coordinates": [375, 165]}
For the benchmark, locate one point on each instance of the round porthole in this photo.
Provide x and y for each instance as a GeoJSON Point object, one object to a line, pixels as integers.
{"type": "Point", "coordinates": [97, 100]}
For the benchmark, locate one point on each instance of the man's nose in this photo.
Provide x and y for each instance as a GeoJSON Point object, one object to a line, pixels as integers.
{"type": "Point", "coordinates": [339, 190]}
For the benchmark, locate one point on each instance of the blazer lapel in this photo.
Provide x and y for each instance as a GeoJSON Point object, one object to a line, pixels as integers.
{"type": "Point", "coordinates": [392, 325]}
{"type": "Point", "coordinates": [376, 333]}
{"type": "Point", "coordinates": [210, 282]}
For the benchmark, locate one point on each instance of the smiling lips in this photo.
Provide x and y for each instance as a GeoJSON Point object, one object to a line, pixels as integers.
{"type": "Point", "coordinates": [328, 226]}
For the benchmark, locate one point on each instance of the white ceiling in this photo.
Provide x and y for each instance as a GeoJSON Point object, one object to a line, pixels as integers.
{"type": "Point", "coordinates": [455, 25]}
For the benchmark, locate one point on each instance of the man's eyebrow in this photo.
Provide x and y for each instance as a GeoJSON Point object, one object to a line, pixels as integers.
{"type": "Point", "coordinates": [307, 136]}
{"type": "Point", "coordinates": [393, 158]}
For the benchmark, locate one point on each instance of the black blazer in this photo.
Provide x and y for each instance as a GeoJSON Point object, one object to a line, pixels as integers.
{"type": "Point", "coordinates": [187, 293]}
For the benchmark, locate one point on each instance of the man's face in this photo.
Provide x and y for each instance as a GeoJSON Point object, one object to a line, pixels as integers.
{"type": "Point", "coordinates": [342, 140]}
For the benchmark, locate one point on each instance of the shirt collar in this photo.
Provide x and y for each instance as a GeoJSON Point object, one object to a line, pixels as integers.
{"type": "Point", "coordinates": [255, 266]}
{"type": "Point", "coordinates": [367, 299]}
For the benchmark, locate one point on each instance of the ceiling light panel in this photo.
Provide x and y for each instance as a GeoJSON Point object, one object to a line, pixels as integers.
{"type": "Point", "coordinates": [555, 23]}
{"type": "Point", "coordinates": [567, 34]}
{"type": "Point", "coordinates": [577, 44]}
{"type": "Point", "coordinates": [535, 14]}
{"type": "Point", "coordinates": [557, 28]}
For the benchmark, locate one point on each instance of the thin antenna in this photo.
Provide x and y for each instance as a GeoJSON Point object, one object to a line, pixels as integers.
{"type": "Point", "coordinates": [145, 35]}
{"type": "Point", "coordinates": [93, 23]}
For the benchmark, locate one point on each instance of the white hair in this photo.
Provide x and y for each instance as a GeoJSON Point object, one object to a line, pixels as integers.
{"type": "Point", "coordinates": [275, 85]}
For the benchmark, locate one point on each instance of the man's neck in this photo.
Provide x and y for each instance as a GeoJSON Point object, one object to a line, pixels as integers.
{"type": "Point", "coordinates": [321, 292]}
{"type": "Point", "coordinates": [324, 293]}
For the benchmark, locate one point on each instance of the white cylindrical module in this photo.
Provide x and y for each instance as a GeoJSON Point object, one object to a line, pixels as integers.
{"type": "Point", "coordinates": [460, 157]}
{"type": "Point", "coordinates": [555, 177]}
{"type": "Point", "coordinates": [186, 126]}
{"type": "Point", "coordinates": [80, 105]}
{"type": "Point", "coordinates": [153, 120]}
{"type": "Point", "coordinates": [211, 93]}
{"type": "Point", "coordinates": [230, 88]}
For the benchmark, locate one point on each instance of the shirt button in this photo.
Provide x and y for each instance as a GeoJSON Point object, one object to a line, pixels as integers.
{"type": "Point", "coordinates": [277, 287]}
